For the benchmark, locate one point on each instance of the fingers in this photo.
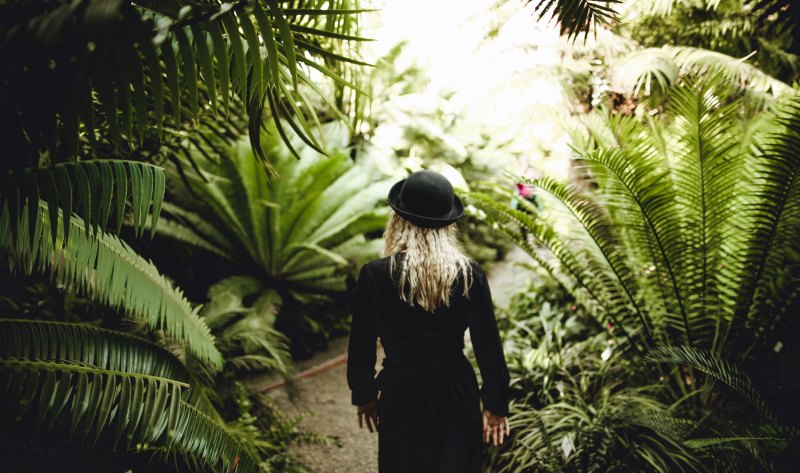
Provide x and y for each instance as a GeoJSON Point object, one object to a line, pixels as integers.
{"type": "Point", "coordinates": [371, 423]}
{"type": "Point", "coordinates": [370, 419]}
{"type": "Point", "coordinates": [495, 434]}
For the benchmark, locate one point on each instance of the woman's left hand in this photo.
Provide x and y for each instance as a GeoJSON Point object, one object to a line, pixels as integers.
{"type": "Point", "coordinates": [495, 428]}
{"type": "Point", "coordinates": [368, 413]}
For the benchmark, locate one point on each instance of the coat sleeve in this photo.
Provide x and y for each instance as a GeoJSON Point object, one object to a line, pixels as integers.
{"type": "Point", "coordinates": [487, 345]}
{"type": "Point", "coordinates": [361, 355]}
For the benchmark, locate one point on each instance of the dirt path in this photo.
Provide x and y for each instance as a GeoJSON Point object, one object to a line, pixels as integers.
{"type": "Point", "coordinates": [327, 396]}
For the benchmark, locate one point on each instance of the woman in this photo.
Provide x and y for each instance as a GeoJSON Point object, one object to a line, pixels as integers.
{"type": "Point", "coordinates": [419, 300]}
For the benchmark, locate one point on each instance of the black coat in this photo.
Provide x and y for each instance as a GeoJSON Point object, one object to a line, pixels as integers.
{"type": "Point", "coordinates": [429, 407]}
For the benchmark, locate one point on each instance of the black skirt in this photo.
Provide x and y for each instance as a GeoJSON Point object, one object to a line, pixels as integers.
{"type": "Point", "coordinates": [430, 417]}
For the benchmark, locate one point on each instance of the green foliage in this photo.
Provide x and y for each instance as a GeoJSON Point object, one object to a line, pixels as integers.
{"type": "Point", "coordinates": [687, 249]}
{"type": "Point", "coordinates": [245, 333]}
{"type": "Point", "coordinates": [577, 407]}
{"type": "Point", "coordinates": [297, 237]}
{"type": "Point", "coordinates": [97, 191]}
{"type": "Point", "coordinates": [88, 82]}
{"type": "Point", "coordinates": [106, 268]}
{"type": "Point", "coordinates": [109, 387]}
{"type": "Point", "coordinates": [110, 74]}
{"type": "Point", "coordinates": [296, 243]}
{"type": "Point", "coordinates": [261, 425]}
{"type": "Point", "coordinates": [653, 71]}
{"type": "Point", "coordinates": [759, 29]}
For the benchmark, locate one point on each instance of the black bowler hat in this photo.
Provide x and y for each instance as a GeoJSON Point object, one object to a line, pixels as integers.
{"type": "Point", "coordinates": [426, 199]}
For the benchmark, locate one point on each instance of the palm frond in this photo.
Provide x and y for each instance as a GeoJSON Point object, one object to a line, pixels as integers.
{"type": "Point", "coordinates": [719, 368]}
{"type": "Point", "coordinates": [774, 216]}
{"type": "Point", "coordinates": [509, 222]}
{"type": "Point", "coordinates": [706, 172]}
{"type": "Point", "coordinates": [599, 229]}
{"type": "Point", "coordinates": [139, 406]}
{"type": "Point", "coordinates": [577, 16]}
{"type": "Point", "coordinates": [97, 191]}
{"type": "Point", "coordinates": [268, 228]}
{"type": "Point", "coordinates": [107, 385]}
{"type": "Point", "coordinates": [649, 71]}
{"type": "Point", "coordinates": [200, 437]}
{"type": "Point", "coordinates": [152, 63]}
{"type": "Point", "coordinates": [643, 203]}
{"type": "Point", "coordinates": [113, 380]}
{"type": "Point", "coordinates": [106, 268]}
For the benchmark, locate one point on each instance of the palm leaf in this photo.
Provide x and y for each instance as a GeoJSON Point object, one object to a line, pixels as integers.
{"type": "Point", "coordinates": [577, 16]}
{"type": "Point", "coordinates": [97, 191]}
{"type": "Point", "coordinates": [140, 46]}
{"type": "Point", "coordinates": [107, 269]}
{"type": "Point", "coordinates": [719, 368]}
{"type": "Point", "coordinates": [107, 384]}
{"type": "Point", "coordinates": [200, 437]}
{"type": "Point", "coordinates": [268, 228]}
{"type": "Point", "coordinates": [651, 70]}
{"type": "Point", "coordinates": [774, 216]}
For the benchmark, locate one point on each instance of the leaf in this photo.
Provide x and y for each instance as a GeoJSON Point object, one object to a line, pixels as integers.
{"type": "Point", "coordinates": [189, 73]}
{"type": "Point", "coordinates": [110, 271]}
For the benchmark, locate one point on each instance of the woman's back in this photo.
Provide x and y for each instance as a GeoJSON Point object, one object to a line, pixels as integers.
{"type": "Point", "coordinates": [419, 301]}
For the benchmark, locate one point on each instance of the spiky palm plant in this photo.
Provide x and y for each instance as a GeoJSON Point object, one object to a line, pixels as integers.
{"type": "Point", "coordinates": [687, 250]}
{"type": "Point", "coordinates": [650, 73]}
{"type": "Point", "coordinates": [116, 79]}
{"type": "Point", "coordinates": [90, 90]}
{"type": "Point", "coordinates": [761, 30]}
{"type": "Point", "coordinates": [297, 237]}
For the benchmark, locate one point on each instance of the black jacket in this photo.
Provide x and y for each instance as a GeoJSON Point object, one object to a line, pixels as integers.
{"type": "Point", "coordinates": [418, 343]}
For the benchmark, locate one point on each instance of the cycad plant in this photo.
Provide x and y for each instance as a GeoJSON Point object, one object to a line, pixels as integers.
{"type": "Point", "coordinates": [79, 384]}
{"type": "Point", "coordinates": [296, 237]}
{"type": "Point", "coordinates": [94, 91]}
{"type": "Point", "coordinates": [687, 250]}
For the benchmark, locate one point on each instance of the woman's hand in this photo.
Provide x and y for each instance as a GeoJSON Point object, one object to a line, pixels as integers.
{"type": "Point", "coordinates": [368, 413]}
{"type": "Point", "coordinates": [495, 428]}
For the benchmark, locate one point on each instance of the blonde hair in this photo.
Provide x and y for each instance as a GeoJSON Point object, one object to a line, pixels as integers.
{"type": "Point", "coordinates": [433, 261]}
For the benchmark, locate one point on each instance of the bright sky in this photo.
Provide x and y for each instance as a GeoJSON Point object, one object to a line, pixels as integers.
{"type": "Point", "coordinates": [503, 86]}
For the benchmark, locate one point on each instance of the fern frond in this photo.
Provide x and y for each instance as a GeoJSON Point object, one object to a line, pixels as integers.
{"type": "Point", "coordinates": [719, 368]}
{"type": "Point", "coordinates": [199, 436]}
{"type": "Point", "coordinates": [577, 16]}
{"type": "Point", "coordinates": [97, 191]}
{"type": "Point", "coordinates": [154, 63]}
{"type": "Point", "coordinates": [106, 268]}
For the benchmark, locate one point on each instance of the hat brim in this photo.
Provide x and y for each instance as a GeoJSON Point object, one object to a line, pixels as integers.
{"type": "Point", "coordinates": [455, 213]}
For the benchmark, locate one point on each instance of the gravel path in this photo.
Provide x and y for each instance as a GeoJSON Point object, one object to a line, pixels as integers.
{"type": "Point", "coordinates": [327, 397]}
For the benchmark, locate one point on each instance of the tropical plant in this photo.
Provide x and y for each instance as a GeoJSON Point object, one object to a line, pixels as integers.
{"type": "Point", "coordinates": [576, 406]}
{"type": "Point", "coordinates": [91, 88]}
{"type": "Point", "coordinates": [687, 250]}
{"type": "Point", "coordinates": [95, 79]}
{"type": "Point", "coordinates": [762, 30]}
{"type": "Point", "coordinates": [576, 17]}
{"type": "Point", "coordinates": [297, 237]}
{"type": "Point", "coordinates": [245, 333]}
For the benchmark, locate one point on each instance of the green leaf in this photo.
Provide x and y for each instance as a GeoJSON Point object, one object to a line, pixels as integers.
{"type": "Point", "coordinates": [189, 73]}
{"type": "Point", "coordinates": [204, 57]}
{"type": "Point", "coordinates": [109, 270]}
{"type": "Point", "coordinates": [173, 79]}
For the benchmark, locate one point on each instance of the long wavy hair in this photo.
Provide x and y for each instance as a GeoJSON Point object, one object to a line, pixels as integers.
{"type": "Point", "coordinates": [432, 263]}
